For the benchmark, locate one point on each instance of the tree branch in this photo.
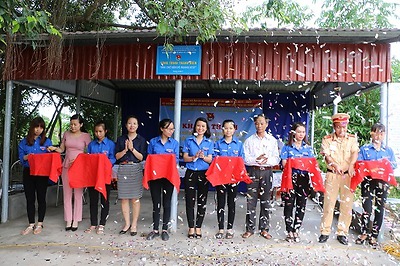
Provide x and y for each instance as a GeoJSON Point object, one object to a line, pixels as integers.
{"type": "Point", "coordinates": [142, 6]}
{"type": "Point", "coordinates": [90, 9]}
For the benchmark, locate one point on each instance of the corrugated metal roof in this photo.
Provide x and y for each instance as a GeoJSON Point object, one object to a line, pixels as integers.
{"type": "Point", "coordinates": [220, 61]}
{"type": "Point", "coordinates": [273, 35]}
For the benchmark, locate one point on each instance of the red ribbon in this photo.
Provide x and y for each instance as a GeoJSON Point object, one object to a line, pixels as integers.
{"type": "Point", "coordinates": [161, 166]}
{"type": "Point", "coordinates": [45, 164]}
{"type": "Point", "coordinates": [227, 170]}
{"type": "Point", "coordinates": [376, 169]}
{"type": "Point", "coordinates": [304, 164]}
{"type": "Point", "coordinates": [90, 170]}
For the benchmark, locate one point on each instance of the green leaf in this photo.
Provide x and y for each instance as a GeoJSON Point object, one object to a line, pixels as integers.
{"type": "Point", "coordinates": [16, 27]}
{"type": "Point", "coordinates": [162, 28]}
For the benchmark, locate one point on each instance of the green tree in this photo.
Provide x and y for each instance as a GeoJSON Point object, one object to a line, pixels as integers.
{"type": "Point", "coordinates": [357, 14]}
{"type": "Point", "coordinates": [16, 16]}
{"type": "Point", "coordinates": [282, 13]}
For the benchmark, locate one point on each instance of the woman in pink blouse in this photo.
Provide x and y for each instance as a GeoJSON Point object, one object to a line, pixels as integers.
{"type": "Point", "coordinates": [74, 142]}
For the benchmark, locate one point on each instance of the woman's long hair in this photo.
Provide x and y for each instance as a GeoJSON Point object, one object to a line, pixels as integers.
{"type": "Point", "coordinates": [292, 133]}
{"type": "Point", "coordinates": [36, 122]}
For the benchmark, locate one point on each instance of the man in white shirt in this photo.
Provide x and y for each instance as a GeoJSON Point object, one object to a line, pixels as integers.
{"type": "Point", "coordinates": [261, 155]}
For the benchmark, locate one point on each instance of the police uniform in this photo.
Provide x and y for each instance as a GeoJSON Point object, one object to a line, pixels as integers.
{"type": "Point", "coordinates": [340, 151]}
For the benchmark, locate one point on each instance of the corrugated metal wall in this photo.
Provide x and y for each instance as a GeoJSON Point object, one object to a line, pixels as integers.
{"type": "Point", "coordinates": [241, 61]}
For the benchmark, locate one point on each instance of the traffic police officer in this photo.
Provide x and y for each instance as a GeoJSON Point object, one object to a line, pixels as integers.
{"type": "Point", "coordinates": [340, 151]}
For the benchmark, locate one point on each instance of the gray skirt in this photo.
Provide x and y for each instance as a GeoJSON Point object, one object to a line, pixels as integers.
{"type": "Point", "coordinates": [130, 181]}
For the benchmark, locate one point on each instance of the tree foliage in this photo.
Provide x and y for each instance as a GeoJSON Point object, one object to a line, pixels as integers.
{"type": "Point", "coordinates": [357, 14]}
{"type": "Point", "coordinates": [282, 13]}
{"type": "Point", "coordinates": [16, 17]}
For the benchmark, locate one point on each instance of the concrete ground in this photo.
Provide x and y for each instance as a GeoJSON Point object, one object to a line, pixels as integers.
{"type": "Point", "coordinates": [55, 246]}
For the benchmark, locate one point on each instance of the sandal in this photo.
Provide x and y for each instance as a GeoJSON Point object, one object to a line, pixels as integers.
{"type": "Point", "coordinates": [38, 229]}
{"type": "Point", "coordinates": [265, 234]}
{"type": "Point", "coordinates": [247, 234]}
{"type": "Point", "coordinates": [229, 235]}
{"type": "Point", "coordinates": [90, 229]}
{"type": "Point", "coordinates": [289, 237]}
{"type": "Point", "coordinates": [28, 230]}
{"type": "Point", "coordinates": [191, 234]}
{"type": "Point", "coordinates": [372, 241]}
{"type": "Point", "coordinates": [219, 235]}
{"type": "Point", "coordinates": [361, 239]}
{"type": "Point", "coordinates": [100, 230]}
{"type": "Point", "coordinates": [198, 235]}
{"type": "Point", "coordinates": [296, 237]}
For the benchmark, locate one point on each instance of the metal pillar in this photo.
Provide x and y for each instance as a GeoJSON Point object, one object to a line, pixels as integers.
{"type": "Point", "coordinates": [177, 122]}
{"type": "Point", "coordinates": [384, 107]}
{"type": "Point", "coordinates": [116, 116]}
{"type": "Point", "coordinates": [78, 96]}
{"type": "Point", "coordinates": [6, 152]}
{"type": "Point", "coordinates": [384, 120]}
{"type": "Point", "coordinates": [312, 128]}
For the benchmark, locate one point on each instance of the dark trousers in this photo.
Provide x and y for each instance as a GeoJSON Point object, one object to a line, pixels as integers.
{"type": "Point", "coordinates": [226, 192]}
{"type": "Point", "coordinates": [35, 188]}
{"type": "Point", "coordinates": [161, 188]}
{"type": "Point", "coordinates": [195, 180]}
{"type": "Point", "coordinates": [296, 198]}
{"type": "Point", "coordinates": [260, 188]}
{"type": "Point", "coordinates": [94, 205]}
{"type": "Point", "coordinates": [373, 189]}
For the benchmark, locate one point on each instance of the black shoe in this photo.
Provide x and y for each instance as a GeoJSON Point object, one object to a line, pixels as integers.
{"type": "Point", "coordinates": [164, 235]}
{"type": "Point", "coordinates": [343, 240]}
{"type": "Point", "coordinates": [68, 228]}
{"type": "Point", "coordinates": [123, 232]}
{"type": "Point", "coordinates": [323, 238]}
{"type": "Point", "coordinates": [74, 229]}
{"type": "Point", "coordinates": [133, 233]}
{"type": "Point", "coordinates": [152, 235]}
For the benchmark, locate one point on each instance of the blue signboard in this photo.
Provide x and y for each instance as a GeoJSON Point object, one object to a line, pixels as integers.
{"type": "Point", "coordinates": [182, 60]}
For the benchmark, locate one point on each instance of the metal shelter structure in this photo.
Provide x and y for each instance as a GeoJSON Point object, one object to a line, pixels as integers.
{"type": "Point", "coordinates": [103, 65]}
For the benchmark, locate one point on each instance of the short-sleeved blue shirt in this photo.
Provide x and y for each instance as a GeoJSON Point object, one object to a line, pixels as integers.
{"type": "Point", "coordinates": [139, 143]}
{"type": "Point", "coordinates": [106, 146]}
{"type": "Point", "coordinates": [191, 148]}
{"type": "Point", "coordinates": [24, 149]}
{"type": "Point", "coordinates": [305, 151]}
{"type": "Point", "coordinates": [234, 148]}
{"type": "Point", "coordinates": [157, 147]}
{"type": "Point", "coordinates": [369, 153]}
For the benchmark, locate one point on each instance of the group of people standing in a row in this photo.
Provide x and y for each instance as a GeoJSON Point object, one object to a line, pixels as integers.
{"type": "Point", "coordinates": [261, 154]}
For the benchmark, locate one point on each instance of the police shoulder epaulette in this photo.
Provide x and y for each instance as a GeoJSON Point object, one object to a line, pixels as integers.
{"type": "Point", "coordinates": [328, 137]}
{"type": "Point", "coordinates": [351, 135]}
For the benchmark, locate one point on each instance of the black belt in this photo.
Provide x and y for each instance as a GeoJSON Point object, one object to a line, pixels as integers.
{"type": "Point", "coordinates": [261, 168]}
{"type": "Point", "coordinates": [330, 171]}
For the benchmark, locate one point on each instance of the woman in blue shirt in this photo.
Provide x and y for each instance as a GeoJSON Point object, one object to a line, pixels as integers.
{"type": "Point", "coordinates": [163, 144]}
{"type": "Point", "coordinates": [35, 142]}
{"type": "Point", "coordinates": [296, 147]}
{"type": "Point", "coordinates": [227, 146]}
{"type": "Point", "coordinates": [374, 190]}
{"type": "Point", "coordinates": [104, 145]}
{"type": "Point", "coordinates": [198, 152]}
